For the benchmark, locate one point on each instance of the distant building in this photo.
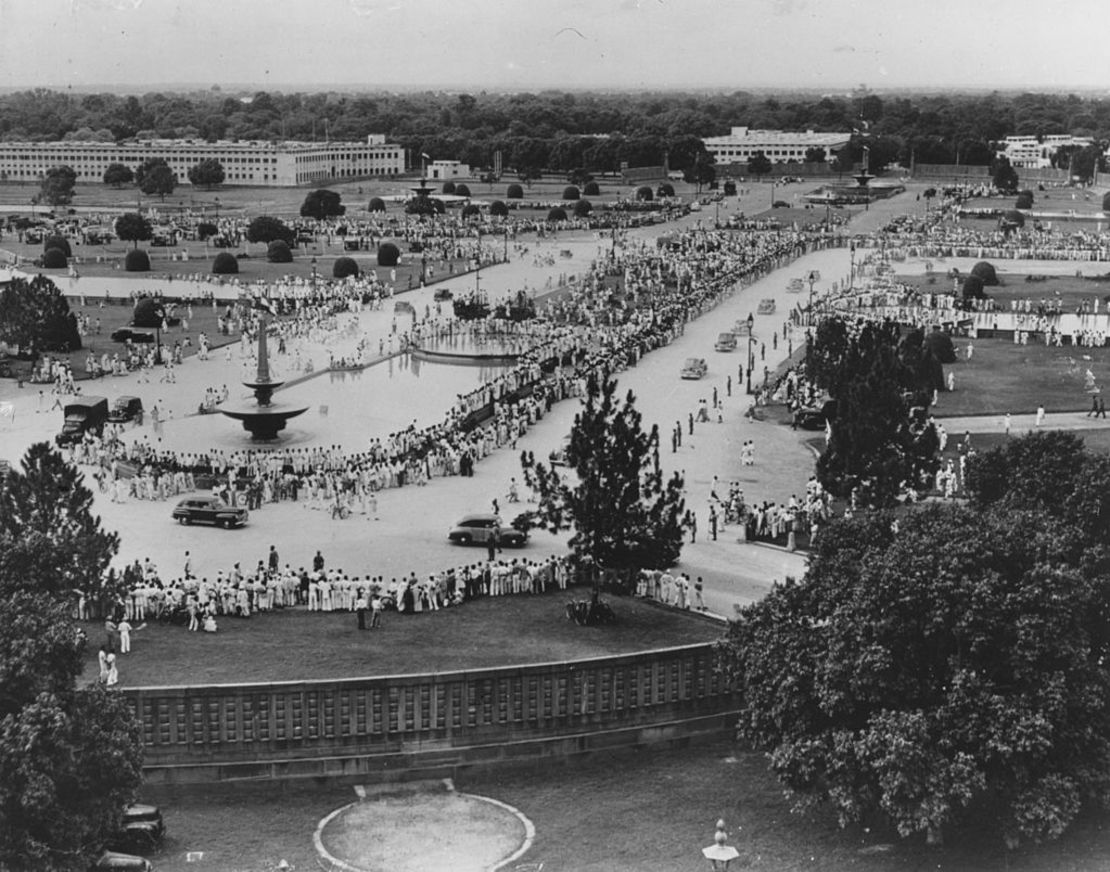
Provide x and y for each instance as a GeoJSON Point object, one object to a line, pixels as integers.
{"type": "Point", "coordinates": [1035, 152]}
{"type": "Point", "coordinates": [779, 146]}
{"type": "Point", "coordinates": [448, 169]}
{"type": "Point", "coordinates": [265, 164]}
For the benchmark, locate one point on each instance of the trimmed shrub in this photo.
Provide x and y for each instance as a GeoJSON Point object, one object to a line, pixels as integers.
{"type": "Point", "coordinates": [514, 192]}
{"type": "Point", "coordinates": [462, 190]}
{"type": "Point", "coordinates": [470, 209]}
{"type": "Point", "coordinates": [225, 264]}
{"type": "Point", "coordinates": [343, 267]}
{"type": "Point", "coordinates": [570, 192]}
{"type": "Point", "coordinates": [557, 214]}
{"type": "Point", "coordinates": [278, 252]}
{"type": "Point", "coordinates": [498, 209]}
{"type": "Point", "coordinates": [985, 272]}
{"type": "Point", "coordinates": [58, 242]}
{"type": "Point", "coordinates": [973, 288]}
{"type": "Point", "coordinates": [591, 189]}
{"type": "Point", "coordinates": [54, 258]}
{"type": "Point", "coordinates": [1106, 202]}
{"type": "Point", "coordinates": [377, 204]}
{"type": "Point", "coordinates": [1024, 200]}
{"type": "Point", "coordinates": [448, 187]}
{"type": "Point", "coordinates": [136, 260]}
{"type": "Point", "coordinates": [665, 190]}
{"type": "Point", "coordinates": [644, 193]}
{"type": "Point", "coordinates": [388, 254]}
{"type": "Point", "coordinates": [729, 188]}
{"type": "Point", "coordinates": [583, 208]}
{"type": "Point", "coordinates": [940, 344]}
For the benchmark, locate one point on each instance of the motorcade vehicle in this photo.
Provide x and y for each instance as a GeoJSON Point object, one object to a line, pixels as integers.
{"type": "Point", "coordinates": [442, 294]}
{"type": "Point", "coordinates": [126, 409]}
{"type": "Point", "coordinates": [83, 415]}
{"type": "Point", "coordinates": [126, 334]}
{"type": "Point", "coordinates": [558, 456]}
{"type": "Point", "coordinates": [766, 306]}
{"type": "Point", "coordinates": [141, 829]}
{"type": "Point", "coordinates": [479, 529]}
{"type": "Point", "coordinates": [695, 367]}
{"type": "Point", "coordinates": [815, 417]}
{"type": "Point", "coordinates": [209, 510]}
{"type": "Point", "coordinates": [119, 861]}
{"type": "Point", "coordinates": [725, 342]}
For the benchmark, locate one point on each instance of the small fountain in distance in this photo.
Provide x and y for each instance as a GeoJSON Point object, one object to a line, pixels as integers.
{"type": "Point", "coordinates": [268, 418]}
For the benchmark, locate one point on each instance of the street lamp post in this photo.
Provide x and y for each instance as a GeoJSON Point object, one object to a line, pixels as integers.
{"type": "Point", "coordinates": [751, 359]}
{"type": "Point", "coordinates": [313, 277]}
{"type": "Point", "coordinates": [852, 266]}
{"type": "Point", "coordinates": [811, 278]}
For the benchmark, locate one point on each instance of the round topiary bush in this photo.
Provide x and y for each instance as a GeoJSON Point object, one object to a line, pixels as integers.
{"type": "Point", "coordinates": [1024, 200]}
{"type": "Point", "coordinates": [470, 210]}
{"type": "Point", "coordinates": [571, 192]}
{"type": "Point", "coordinates": [462, 190]}
{"type": "Point", "coordinates": [344, 266]}
{"type": "Point", "coordinates": [1106, 202]}
{"type": "Point", "coordinates": [388, 254]}
{"type": "Point", "coordinates": [940, 344]}
{"type": "Point", "coordinates": [448, 187]}
{"type": "Point", "coordinates": [557, 214]}
{"type": "Point", "coordinates": [225, 264]}
{"type": "Point", "coordinates": [58, 242]}
{"type": "Point", "coordinates": [644, 193]}
{"type": "Point", "coordinates": [972, 288]}
{"type": "Point", "coordinates": [985, 272]}
{"type": "Point", "coordinates": [515, 192]}
{"type": "Point", "coordinates": [278, 252]}
{"type": "Point", "coordinates": [136, 260]}
{"type": "Point", "coordinates": [54, 258]}
{"type": "Point", "coordinates": [498, 209]}
{"type": "Point", "coordinates": [377, 204]}
{"type": "Point", "coordinates": [583, 208]}
{"type": "Point", "coordinates": [666, 190]}
{"type": "Point", "coordinates": [591, 189]}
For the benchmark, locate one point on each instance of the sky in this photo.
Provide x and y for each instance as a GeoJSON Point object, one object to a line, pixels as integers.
{"type": "Point", "coordinates": [827, 45]}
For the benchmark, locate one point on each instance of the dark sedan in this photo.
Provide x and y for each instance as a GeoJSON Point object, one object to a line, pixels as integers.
{"type": "Point", "coordinates": [208, 510]}
{"type": "Point", "coordinates": [479, 529]}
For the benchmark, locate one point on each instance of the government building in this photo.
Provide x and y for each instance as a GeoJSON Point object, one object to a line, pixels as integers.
{"type": "Point", "coordinates": [779, 146]}
{"type": "Point", "coordinates": [263, 164]}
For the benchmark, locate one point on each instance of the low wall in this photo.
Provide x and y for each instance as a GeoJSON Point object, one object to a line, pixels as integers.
{"type": "Point", "coordinates": [420, 726]}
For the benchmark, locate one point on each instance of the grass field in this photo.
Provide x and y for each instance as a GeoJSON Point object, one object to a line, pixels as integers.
{"type": "Point", "coordinates": [1064, 291]}
{"type": "Point", "coordinates": [295, 644]}
{"type": "Point", "coordinates": [650, 812]}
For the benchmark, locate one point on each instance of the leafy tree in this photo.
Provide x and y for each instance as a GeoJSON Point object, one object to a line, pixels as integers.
{"type": "Point", "coordinates": [471, 210]}
{"type": "Point", "coordinates": [816, 154]}
{"type": "Point", "coordinates": [225, 263]}
{"type": "Point", "coordinates": [842, 161]}
{"type": "Point", "coordinates": [527, 175]}
{"type": "Point", "coordinates": [579, 177]}
{"type": "Point", "coordinates": [623, 513]}
{"type": "Point", "coordinates": [956, 670]}
{"type": "Point", "coordinates": [429, 206]}
{"type": "Point", "coordinates": [1004, 176]}
{"type": "Point", "coordinates": [70, 758]}
{"type": "Point", "coordinates": [57, 185]}
{"type": "Point", "coordinates": [134, 227]}
{"type": "Point", "coordinates": [155, 177]}
{"type": "Point", "coordinates": [117, 175]}
{"type": "Point", "coordinates": [759, 165]}
{"type": "Point", "coordinates": [35, 315]}
{"type": "Point", "coordinates": [701, 171]}
{"type": "Point", "coordinates": [207, 173]}
{"type": "Point", "coordinates": [322, 204]}
{"type": "Point", "coordinates": [1085, 163]}
{"type": "Point", "coordinates": [266, 229]}
{"type": "Point", "coordinates": [1024, 200]}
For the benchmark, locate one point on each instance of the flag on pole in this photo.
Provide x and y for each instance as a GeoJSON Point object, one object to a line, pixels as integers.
{"type": "Point", "coordinates": [265, 305]}
{"type": "Point", "coordinates": [425, 156]}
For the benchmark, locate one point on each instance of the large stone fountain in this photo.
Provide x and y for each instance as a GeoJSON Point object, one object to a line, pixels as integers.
{"type": "Point", "coordinates": [265, 420]}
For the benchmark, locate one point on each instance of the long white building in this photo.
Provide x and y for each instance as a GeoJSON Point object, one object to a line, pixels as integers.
{"type": "Point", "coordinates": [779, 146]}
{"type": "Point", "coordinates": [266, 164]}
{"type": "Point", "coordinates": [1030, 152]}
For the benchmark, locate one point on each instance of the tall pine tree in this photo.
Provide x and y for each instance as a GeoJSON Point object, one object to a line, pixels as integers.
{"type": "Point", "coordinates": [623, 513]}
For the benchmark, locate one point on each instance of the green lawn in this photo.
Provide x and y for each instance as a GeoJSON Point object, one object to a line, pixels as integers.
{"type": "Point", "coordinates": [1063, 291]}
{"type": "Point", "coordinates": [295, 644]}
{"type": "Point", "coordinates": [649, 812]}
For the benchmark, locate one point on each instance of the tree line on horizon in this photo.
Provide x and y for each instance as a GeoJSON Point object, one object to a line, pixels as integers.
{"type": "Point", "coordinates": [562, 130]}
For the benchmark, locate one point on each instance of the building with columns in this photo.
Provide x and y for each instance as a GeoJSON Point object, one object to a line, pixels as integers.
{"type": "Point", "coordinates": [780, 146]}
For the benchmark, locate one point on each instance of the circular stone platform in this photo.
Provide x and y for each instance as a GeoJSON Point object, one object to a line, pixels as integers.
{"type": "Point", "coordinates": [421, 831]}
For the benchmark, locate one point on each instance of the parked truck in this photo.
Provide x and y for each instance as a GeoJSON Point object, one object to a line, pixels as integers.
{"type": "Point", "coordinates": [83, 415]}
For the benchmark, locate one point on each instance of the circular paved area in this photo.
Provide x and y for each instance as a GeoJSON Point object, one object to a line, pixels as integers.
{"type": "Point", "coordinates": [414, 833]}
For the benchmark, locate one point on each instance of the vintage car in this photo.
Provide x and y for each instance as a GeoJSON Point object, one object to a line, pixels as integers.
{"type": "Point", "coordinates": [126, 334]}
{"type": "Point", "coordinates": [209, 510]}
{"type": "Point", "coordinates": [83, 415]}
{"type": "Point", "coordinates": [477, 530]}
{"type": "Point", "coordinates": [695, 367]}
{"type": "Point", "coordinates": [558, 456]}
{"type": "Point", "coordinates": [141, 829]}
{"type": "Point", "coordinates": [725, 342]}
{"type": "Point", "coordinates": [766, 306]}
{"type": "Point", "coordinates": [442, 294]}
{"type": "Point", "coordinates": [815, 417]}
{"type": "Point", "coordinates": [126, 409]}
